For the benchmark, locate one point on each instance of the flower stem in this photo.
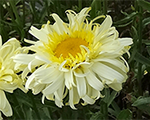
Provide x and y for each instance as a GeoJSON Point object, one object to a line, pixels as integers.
{"type": "Point", "coordinates": [140, 51]}
{"type": "Point", "coordinates": [104, 110]}
{"type": "Point", "coordinates": [105, 7]}
{"type": "Point", "coordinates": [80, 4]}
{"type": "Point", "coordinates": [139, 76]}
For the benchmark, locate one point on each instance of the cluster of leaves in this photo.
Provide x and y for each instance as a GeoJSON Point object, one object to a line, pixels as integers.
{"type": "Point", "coordinates": [131, 19]}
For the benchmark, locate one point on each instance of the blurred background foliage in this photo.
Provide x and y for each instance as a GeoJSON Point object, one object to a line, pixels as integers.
{"type": "Point", "coordinates": [131, 18]}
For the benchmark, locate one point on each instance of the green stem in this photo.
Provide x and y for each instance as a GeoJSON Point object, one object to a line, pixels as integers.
{"type": "Point", "coordinates": [23, 18]}
{"type": "Point", "coordinates": [140, 51]}
{"type": "Point", "coordinates": [80, 4]}
{"type": "Point", "coordinates": [1, 14]}
{"type": "Point", "coordinates": [13, 6]}
{"type": "Point", "coordinates": [104, 110]}
{"type": "Point", "coordinates": [139, 76]}
{"type": "Point", "coordinates": [23, 21]}
{"type": "Point", "coordinates": [105, 7]}
{"type": "Point", "coordinates": [96, 6]}
{"type": "Point", "coordinates": [32, 7]}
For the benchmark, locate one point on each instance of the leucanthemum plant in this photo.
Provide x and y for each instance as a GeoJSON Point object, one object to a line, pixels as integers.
{"type": "Point", "coordinates": [76, 59]}
{"type": "Point", "coordinates": [9, 79]}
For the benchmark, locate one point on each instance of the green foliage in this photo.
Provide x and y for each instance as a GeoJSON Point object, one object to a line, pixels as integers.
{"type": "Point", "coordinates": [143, 104]}
{"type": "Point", "coordinates": [144, 4]}
{"type": "Point", "coordinates": [140, 58]}
{"type": "Point", "coordinates": [131, 19]}
{"type": "Point", "coordinates": [125, 115]}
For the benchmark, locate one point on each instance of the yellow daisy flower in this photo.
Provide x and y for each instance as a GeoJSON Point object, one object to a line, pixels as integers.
{"type": "Point", "coordinates": [9, 80]}
{"type": "Point", "coordinates": [77, 59]}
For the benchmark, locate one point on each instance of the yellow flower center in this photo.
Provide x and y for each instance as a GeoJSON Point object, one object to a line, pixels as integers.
{"type": "Point", "coordinates": [69, 46]}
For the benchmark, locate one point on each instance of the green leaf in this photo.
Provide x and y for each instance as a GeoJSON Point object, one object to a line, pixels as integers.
{"type": "Point", "coordinates": [141, 101]}
{"type": "Point", "coordinates": [143, 104]}
{"type": "Point", "coordinates": [125, 24]}
{"type": "Point", "coordinates": [112, 112]}
{"type": "Point", "coordinates": [146, 21]}
{"type": "Point", "coordinates": [102, 114]}
{"type": "Point", "coordinates": [126, 19]}
{"type": "Point", "coordinates": [144, 4]}
{"type": "Point", "coordinates": [146, 42]}
{"type": "Point", "coordinates": [112, 97]}
{"type": "Point", "coordinates": [45, 114]}
{"type": "Point", "coordinates": [125, 114]}
{"type": "Point", "coordinates": [96, 8]}
{"type": "Point", "coordinates": [142, 59]}
{"type": "Point", "coordinates": [109, 97]}
{"type": "Point", "coordinates": [96, 116]}
{"type": "Point", "coordinates": [115, 109]}
{"type": "Point", "coordinates": [148, 49]}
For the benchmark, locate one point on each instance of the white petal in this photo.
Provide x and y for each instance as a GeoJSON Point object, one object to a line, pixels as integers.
{"type": "Point", "coordinates": [88, 100]}
{"type": "Point", "coordinates": [63, 69]}
{"type": "Point", "coordinates": [82, 64]}
{"type": "Point", "coordinates": [58, 102]}
{"type": "Point", "coordinates": [107, 72]}
{"type": "Point", "coordinates": [39, 34]}
{"type": "Point", "coordinates": [34, 63]}
{"type": "Point", "coordinates": [43, 98]}
{"type": "Point", "coordinates": [30, 41]}
{"type": "Point", "coordinates": [44, 70]}
{"type": "Point", "coordinates": [71, 98]}
{"type": "Point", "coordinates": [107, 37]}
{"type": "Point", "coordinates": [23, 58]}
{"type": "Point", "coordinates": [25, 73]}
{"type": "Point", "coordinates": [106, 24]}
{"type": "Point", "coordinates": [71, 16]}
{"type": "Point", "coordinates": [40, 58]}
{"type": "Point", "coordinates": [116, 62]}
{"type": "Point", "coordinates": [81, 86]}
{"type": "Point", "coordinates": [79, 73]}
{"type": "Point", "coordinates": [59, 25]}
{"type": "Point", "coordinates": [115, 85]}
{"type": "Point", "coordinates": [47, 75]}
{"type": "Point", "coordinates": [126, 41]}
{"type": "Point", "coordinates": [50, 97]}
{"type": "Point", "coordinates": [95, 94]}
{"type": "Point", "coordinates": [29, 81]}
{"type": "Point", "coordinates": [69, 81]}
{"type": "Point", "coordinates": [54, 86]}
{"type": "Point", "coordinates": [94, 81]}
{"type": "Point", "coordinates": [37, 88]}
{"type": "Point", "coordinates": [32, 76]}
{"type": "Point", "coordinates": [60, 91]}
{"type": "Point", "coordinates": [59, 96]}
{"type": "Point", "coordinates": [83, 13]}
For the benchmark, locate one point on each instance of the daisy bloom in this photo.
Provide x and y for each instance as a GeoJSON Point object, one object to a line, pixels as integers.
{"type": "Point", "coordinates": [9, 80]}
{"type": "Point", "coordinates": [76, 59]}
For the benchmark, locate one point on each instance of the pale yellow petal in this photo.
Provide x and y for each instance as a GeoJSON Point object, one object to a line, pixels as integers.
{"type": "Point", "coordinates": [4, 104]}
